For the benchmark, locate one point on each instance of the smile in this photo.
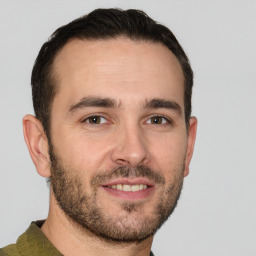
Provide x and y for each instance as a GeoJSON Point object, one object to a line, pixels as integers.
{"type": "Point", "coordinates": [130, 188]}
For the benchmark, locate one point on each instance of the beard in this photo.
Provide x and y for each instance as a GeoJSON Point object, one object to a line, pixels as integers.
{"type": "Point", "coordinates": [86, 213]}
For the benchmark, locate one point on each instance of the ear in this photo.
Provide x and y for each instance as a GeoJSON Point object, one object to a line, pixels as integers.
{"type": "Point", "coordinates": [37, 144]}
{"type": "Point", "coordinates": [190, 143]}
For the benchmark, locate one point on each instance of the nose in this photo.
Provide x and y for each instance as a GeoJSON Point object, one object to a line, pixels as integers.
{"type": "Point", "coordinates": [130, 147]}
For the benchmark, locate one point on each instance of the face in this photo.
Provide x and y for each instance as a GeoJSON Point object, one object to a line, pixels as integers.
{"type": "Point", "coordinates": [119, 144]}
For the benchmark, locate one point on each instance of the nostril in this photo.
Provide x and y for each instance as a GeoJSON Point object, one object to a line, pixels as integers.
{"type": "Point", "coordinates": [122, 162]}
{"type": "Point", "coordinates": [130, 149]}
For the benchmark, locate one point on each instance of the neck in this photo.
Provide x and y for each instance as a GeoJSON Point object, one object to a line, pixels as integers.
{"type": "Point", "coordinates": [70, 239]}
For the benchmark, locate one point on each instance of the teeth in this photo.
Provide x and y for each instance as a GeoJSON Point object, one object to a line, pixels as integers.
{"type": "Point", "coordinates": [126, 188]}
{"type": "Point", "coordinates": [133, 188]}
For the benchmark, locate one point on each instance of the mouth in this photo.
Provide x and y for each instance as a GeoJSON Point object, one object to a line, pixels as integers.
{"type": "Point", "coordinates": [130, 189]}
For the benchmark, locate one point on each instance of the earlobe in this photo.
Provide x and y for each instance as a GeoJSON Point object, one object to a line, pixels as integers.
{"type": "Point", "coordinates": [37, 144]}
{"type": "Point", "coordinates": [190, 143]}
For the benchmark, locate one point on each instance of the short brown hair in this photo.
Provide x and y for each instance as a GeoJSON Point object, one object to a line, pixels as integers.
{"type": "Point", "coordinates": [101, 24]}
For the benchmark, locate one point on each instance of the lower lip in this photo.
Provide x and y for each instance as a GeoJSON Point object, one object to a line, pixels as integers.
{"type": "Point", "coordinates": [129, 195]}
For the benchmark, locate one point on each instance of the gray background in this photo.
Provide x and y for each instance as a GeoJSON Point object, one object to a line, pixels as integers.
{"type": "Point", "coordinates": [217, 211]}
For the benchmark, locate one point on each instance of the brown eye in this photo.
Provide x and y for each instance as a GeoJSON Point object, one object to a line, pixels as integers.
{"type": "Point", "coordinates": [157, 120]}
{"type": "Point", "coordinates": [96, 120]}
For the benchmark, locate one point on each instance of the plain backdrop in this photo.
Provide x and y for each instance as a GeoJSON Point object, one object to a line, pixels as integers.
{"type": "Point", "coordinates": [216, 214]}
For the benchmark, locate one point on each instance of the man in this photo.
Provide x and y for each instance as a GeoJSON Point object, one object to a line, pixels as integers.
{"type": "Point", "coordinates": [112, 133]}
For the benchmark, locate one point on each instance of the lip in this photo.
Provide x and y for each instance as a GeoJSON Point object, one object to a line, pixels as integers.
{"type": "Point", "coordinates": [129, 195]}
{"type": "Point", "coordinates": [129, 181]}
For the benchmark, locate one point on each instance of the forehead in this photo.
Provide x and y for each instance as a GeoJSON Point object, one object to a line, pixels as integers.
{"type": "Point", "coordinates": [118, 68]}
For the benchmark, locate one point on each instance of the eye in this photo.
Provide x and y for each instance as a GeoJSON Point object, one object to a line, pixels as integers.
{"type": "Point", "coordinates": [157, 120]}
{"type": "Point", "coordinates": [95, 120]}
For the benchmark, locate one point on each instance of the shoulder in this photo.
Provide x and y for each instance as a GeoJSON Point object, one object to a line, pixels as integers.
{"type": "Point", "coordinates": [31, 242]}
{"type": "Point", "coordinates": [9, 250]}
{"type": "Point", "coordinates": [23, 243]}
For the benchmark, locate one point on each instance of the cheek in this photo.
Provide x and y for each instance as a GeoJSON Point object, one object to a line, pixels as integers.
{"type": "Point", "coordinates": [168, 157]}
{"type": "Point", "coordinates": [169, 150]}
{"type": "Point", "coordinates": [84, 153]}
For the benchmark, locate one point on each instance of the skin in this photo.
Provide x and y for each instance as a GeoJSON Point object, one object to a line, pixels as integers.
{"type": "Point", "coordinates": [132, 74]}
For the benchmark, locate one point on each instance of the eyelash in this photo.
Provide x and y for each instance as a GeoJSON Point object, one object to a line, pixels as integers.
{"type": "Point", "coordinates": [86, 120]}
{"type": "Point", "coordinates": [164, 120]}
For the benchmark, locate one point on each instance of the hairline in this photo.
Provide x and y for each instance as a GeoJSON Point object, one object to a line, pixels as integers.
{"type": "Point", "coordinates": [54, 79]}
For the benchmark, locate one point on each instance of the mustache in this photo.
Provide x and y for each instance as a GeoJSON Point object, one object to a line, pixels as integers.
{"type": "Point", "coordinates": [128, 172]}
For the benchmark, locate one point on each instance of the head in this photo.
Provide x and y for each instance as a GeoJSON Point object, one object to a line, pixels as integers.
{"type": "Point", "coordinates": [112, 97]}
{"type": "Point", "coordinates": [102, 24]}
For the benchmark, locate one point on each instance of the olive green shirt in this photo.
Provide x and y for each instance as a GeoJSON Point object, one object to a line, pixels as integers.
{"type": "Point", "coordinates": [32, 243]}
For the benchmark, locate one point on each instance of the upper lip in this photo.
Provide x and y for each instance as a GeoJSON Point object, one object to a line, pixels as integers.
{"type": "Point", "coordinates": [129, 181]}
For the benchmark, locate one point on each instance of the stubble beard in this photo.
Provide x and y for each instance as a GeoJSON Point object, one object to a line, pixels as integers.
{"type": "Point", "coordinates": [86, 214]}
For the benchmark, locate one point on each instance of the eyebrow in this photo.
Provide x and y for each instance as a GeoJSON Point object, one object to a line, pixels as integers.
{"type": "Point", "coordinates": [93, 102]}
{"type": "Point", "coordinates": [112, 103]}
{"type": "Point", "coordinates": [162, 103]}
